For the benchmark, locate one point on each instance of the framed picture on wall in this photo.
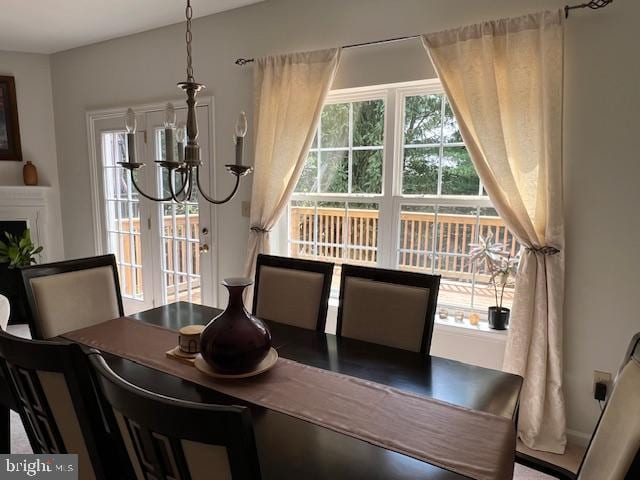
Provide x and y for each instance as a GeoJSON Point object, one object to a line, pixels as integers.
{"type": "Point", "coordinates": [9, 129]}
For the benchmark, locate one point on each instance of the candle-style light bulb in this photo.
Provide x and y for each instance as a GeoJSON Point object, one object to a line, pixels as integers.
{"type": "Point", "coordinates": [241, 125]}
{"type": "Point", "coordinates": [169, 116]}
{"type": "Point", "coordinates": [130, 121]}
{"type": "Point", "coordinates": [241, 131]}
{"type": "Point", "coordinates": [130, 124]}
{"type": "Point", "coordinates": [181, 132]}
{"type": "Point", "coordinates": [181, 136]}
{"type": "Point", "coordinates": [169, 124]}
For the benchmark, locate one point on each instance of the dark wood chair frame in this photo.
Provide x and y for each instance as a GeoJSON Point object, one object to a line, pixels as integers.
{"type": "Point", "coordinates": [633, 351]}
{"type": "Point", "coordinates": [325, 268]}
{"type": "Point", "coordinates": [57, 268]}
{"type": "Point", "coordinates": [19, 360]}
{"type": "Point", "coordinates": [159, 421]}
{"type": "Point", "coordinates": [398, 277]}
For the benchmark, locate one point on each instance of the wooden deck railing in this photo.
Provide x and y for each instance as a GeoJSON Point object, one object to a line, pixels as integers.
{"type": "Point", "coordinates": [174, 263]}
{"type": "Point", "coordinates": [345, 237]}
{"type": "Point", "coordinates": [352, 237]}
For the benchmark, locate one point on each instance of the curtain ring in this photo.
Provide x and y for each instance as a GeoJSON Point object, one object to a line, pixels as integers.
{"type": "Point", "coordinates": [258, 229]}
{"type": "Point", "coordinates": [545, 250]}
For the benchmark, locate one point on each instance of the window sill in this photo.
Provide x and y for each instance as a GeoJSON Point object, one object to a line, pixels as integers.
{"type": "Point", "coordinates": [464, 327]}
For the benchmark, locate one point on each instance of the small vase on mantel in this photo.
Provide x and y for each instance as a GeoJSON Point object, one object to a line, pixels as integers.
{"type": "Point", "coordinates": [235, 341]}
{"type": "Point", "coordinates": [30, 174]}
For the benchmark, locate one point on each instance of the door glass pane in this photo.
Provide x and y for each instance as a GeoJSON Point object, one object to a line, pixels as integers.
{"type": "Point", "coordinates": [122, 215]}
{"type": "Point", "coordinates": [179, 230]}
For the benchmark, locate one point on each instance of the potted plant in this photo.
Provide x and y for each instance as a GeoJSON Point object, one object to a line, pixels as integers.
{"type": "Point", "coordinates": [502, 268]}
{"type": "Point", "coordinates": [16, 252]}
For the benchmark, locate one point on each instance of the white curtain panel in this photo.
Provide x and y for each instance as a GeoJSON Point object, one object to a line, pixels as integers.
{"type": "Point", "coordinates": [504, 80]}
{"type": "Point", "coordinates": [290, 91]}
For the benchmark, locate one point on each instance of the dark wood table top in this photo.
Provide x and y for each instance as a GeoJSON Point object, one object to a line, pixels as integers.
{"type": "Point", "coordinates": [292, 448]}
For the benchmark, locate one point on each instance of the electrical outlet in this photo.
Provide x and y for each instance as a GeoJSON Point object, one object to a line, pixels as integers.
{"type": "Point", "coordinates": [246, 209]}
{"type": "Point", "coordinates": [601, 377]}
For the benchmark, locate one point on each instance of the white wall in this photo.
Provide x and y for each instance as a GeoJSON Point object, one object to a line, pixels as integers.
{"type": "Point", "coordinates": [602, 102]}
{"type": "Point", "coordinates": [35, 115]}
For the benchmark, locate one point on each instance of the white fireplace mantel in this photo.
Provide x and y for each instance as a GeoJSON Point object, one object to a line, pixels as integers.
{"type": "Point", "coordinates": [18, 195]}
{"type": "Point", "coordinates": [29, 204]}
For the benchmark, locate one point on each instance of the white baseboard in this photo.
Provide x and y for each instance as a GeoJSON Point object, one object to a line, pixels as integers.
{"type": "Point", "coordinates": [576, 437]}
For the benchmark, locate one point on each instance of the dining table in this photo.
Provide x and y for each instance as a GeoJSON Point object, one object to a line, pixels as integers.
{"type": "Point", "coordinates": [291, 447]}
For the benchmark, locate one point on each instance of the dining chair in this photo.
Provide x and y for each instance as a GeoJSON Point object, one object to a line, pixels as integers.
{"type": "Point", "coordinates": [388, 307]}
{"type": "Point", "coordinates": [614, 450]}
{"type": "Point", "coordinates": [172, 439]}
{"type": "Point", "coordinates": [54, 395]}
{"type": "Point", "coordinates": [65, 296]}
{"type": "Point", "coordinates": [5, 311]}
{"type": "Point", "coordinates": [292, 291]}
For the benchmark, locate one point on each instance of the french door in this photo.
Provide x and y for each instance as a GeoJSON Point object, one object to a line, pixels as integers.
{"type": "Point", "coordinates": [163, 249]}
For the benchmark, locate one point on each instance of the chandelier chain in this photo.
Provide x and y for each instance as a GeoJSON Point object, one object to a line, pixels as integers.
{"type": "Point", "coordinates": [187, 167]}
{"type": "Point", "coordinates": [188, 38]}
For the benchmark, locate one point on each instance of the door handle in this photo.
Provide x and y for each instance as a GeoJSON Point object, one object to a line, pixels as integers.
{"type": "Point", "coordinates": [204, 248]}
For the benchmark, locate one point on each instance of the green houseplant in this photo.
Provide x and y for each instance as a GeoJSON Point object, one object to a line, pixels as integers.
{"type": "Point", "coordinates": [16, 251]}
{"type": "Point", "coordinates": [502, 267]}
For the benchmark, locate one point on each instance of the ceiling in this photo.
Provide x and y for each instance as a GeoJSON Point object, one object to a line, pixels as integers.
{"type": "Point", "coordinates": [48, 26]}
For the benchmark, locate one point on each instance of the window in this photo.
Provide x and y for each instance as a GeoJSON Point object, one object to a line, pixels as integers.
{"type": "Point", "coordinates": [389, 182]}
{"type": "Point", "coordinates": [122, 212]}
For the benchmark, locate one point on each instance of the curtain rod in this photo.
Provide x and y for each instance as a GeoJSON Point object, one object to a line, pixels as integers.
{"type": "Point", "coordinates": [593, 4]}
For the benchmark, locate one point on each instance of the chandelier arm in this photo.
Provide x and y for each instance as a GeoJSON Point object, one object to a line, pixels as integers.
{"type": "Point", "coordinates": [153, 199]}
{"type": "Point", "coordinates": [187, 197]}
{"type": "Point", "coordinates": [211, 200]}
{"type": "Point", "coordinates": [186, 180]}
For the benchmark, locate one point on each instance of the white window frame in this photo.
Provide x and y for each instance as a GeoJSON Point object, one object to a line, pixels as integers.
{"type": "Point", "coordinates": [391, 200]}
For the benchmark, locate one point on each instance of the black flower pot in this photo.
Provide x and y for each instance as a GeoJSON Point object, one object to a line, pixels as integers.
{"type": "Point", "coordinates": [11, 287]}
{"type": "Point", "coordinates": [499, 318]}
{"type": "Point", "coordinates": [235, 341]}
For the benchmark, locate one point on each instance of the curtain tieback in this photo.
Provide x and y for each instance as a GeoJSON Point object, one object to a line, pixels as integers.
{"type": "Point", "coordinates": [546, 250]}
{"type": "Point", "coordinates": [260, 230]}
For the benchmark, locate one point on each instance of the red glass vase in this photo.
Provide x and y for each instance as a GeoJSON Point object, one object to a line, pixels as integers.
{"type": "Point", "coordinates": [235, 341]}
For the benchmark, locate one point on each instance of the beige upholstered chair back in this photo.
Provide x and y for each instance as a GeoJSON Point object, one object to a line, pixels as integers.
{"type": "Point", "coordinates": [615, 444]}
{"type": "Point", "coordinates": [81, 294]}
{"type": "Point", "coordinates": [202, 461]}
{"type": "Point", "coordinates": [292, 291]}
{"type": "Point", "coordinates": [387, 307]}
{"type": "Point", "coordinates": [5, 311]}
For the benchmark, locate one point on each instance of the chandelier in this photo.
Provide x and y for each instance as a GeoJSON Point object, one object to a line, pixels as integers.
{"type": "Point", "coordinates": [183, 170]}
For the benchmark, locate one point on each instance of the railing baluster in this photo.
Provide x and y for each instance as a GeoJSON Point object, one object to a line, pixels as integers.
{"type": "Point", "coordinates": [404, 226]}
{"type": "Point", "coordinates": [411, 244]}
{"type": "Point", "coordinates": [360, 237]}
{"type": "Point", "coordinates": [440, 241]}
